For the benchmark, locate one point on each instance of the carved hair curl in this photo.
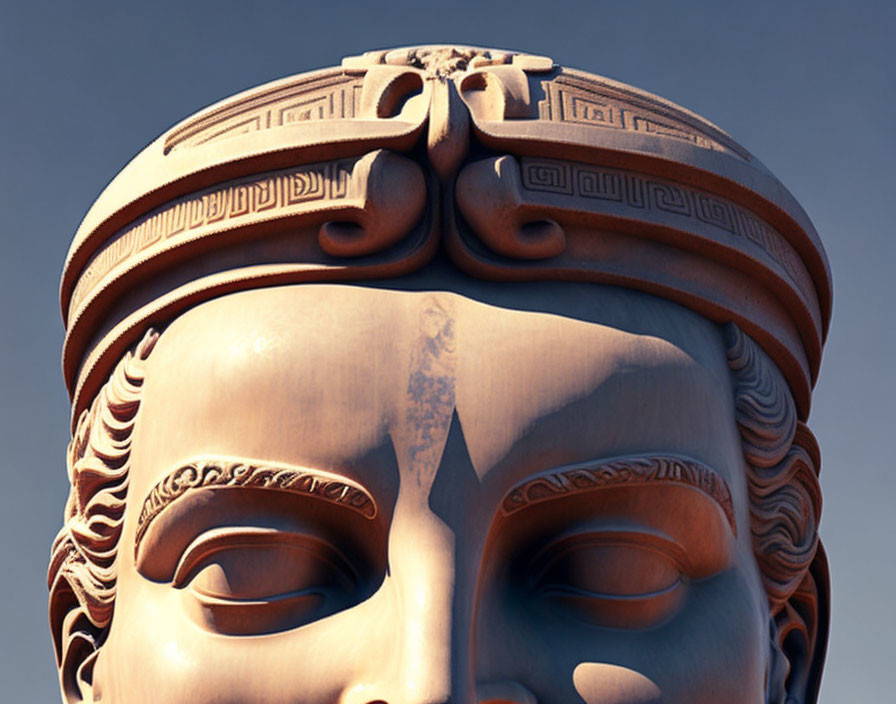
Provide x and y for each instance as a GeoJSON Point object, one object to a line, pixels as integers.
{"type": "Point", "coordinates": [782, 476]}
{"type": "Point", "coordinates": [785, 507]}
{"type": "Point", "coordinates": [84, 557]}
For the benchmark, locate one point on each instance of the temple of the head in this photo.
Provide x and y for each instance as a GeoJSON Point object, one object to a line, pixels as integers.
{"type": "Point", "coordinates": [444, 375]}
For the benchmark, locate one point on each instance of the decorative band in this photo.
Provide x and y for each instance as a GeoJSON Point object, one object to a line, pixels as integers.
{"type": "Point", "coordinates": [561, 219]}
{"type": "Point", "coordinates": [341, 189]}
{"type": "Point", "coordinates": [639, 195]}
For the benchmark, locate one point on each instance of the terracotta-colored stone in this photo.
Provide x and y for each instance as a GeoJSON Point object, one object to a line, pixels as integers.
{"type": "Point", "coordinates": [447, 375]}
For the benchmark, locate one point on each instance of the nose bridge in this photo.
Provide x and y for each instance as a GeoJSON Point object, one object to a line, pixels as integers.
{"type": "Point", "coordinates": [429, 661]}
{"type": "Point", "coordinates": [429, 605]}
{"type": "Point", "coordinates": [433, 655]}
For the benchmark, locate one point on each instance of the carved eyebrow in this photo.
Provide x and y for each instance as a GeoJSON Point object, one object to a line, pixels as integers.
{"type": "Point", "coordinates": [631, 470]}
{"type": "Point", "coordinates": [223, 473]}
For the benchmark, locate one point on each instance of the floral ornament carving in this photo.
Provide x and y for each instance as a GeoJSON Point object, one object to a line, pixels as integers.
{"type": "Point", "coordinates": [447, 61]}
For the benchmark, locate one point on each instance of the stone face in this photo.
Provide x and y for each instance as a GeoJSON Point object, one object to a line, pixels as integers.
{"type": "Point", "coordinates": [447, 375]}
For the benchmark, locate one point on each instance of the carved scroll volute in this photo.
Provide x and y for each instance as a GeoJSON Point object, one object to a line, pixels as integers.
{"type": "Point", "coordinates": [394, 196]}
{"type": "Point", "coordinates": [497, 93]}
{"type": "Point", "coordinates": [449, 86]}
{"type": "Point", "coordinates": [390, 91]}
{"type": "Point", "coordinates": [448, 138]}
{"type": "Point", "coordinates": [489, 197]}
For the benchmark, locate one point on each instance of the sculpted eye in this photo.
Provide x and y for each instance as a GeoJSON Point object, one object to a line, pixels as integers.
{"type": "Point", "coordinates": [253, 580]}
{"type": "Point", "coordinates": [615, 581]}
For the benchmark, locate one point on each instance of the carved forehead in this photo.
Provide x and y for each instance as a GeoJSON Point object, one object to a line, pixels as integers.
{"type": "Point", "coordinates": [327, 368]}
{"type": "Point", "coordinates": [329, 318]}
{"type": "Point", "coordinates": [357, 342]}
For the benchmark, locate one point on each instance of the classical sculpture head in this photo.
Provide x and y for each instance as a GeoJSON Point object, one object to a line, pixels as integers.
{"type": "Point", "coordinates": [447, 375]}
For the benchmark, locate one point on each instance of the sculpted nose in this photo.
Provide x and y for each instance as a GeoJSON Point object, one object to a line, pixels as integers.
{"type": "Point", "coordinates": [425, 658]}
{"type": "Point", "coordinates": [433, 653]}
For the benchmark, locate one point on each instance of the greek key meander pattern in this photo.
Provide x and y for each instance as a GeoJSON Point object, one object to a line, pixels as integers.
{"type": "Point", "coordinates": [622, 472]}
{"type": "Point", "coordinates": [327, 98]}
{"type": "Point", "coordinates": [203, 474]}
{"type": "Point", "coordinates": [318, 99]}
{"type": "Point", "coordinates": [573, 100]}
{"type": "Point", "coordinates": [644, 194]}
{"type": "Point", "coordinates": [286, 191]}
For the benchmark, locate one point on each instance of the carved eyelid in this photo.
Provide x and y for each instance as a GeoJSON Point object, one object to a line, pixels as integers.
{"type": "Point", "coordinates": [230, 474]}
{"type": "Point", "coordinates": [621, 598]}
{"type": "Point", "coordinates": [645, 540]}
{"type": "Point", "coordinates": [220, 539]}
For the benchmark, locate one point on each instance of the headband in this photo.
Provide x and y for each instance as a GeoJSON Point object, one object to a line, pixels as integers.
{"type": "Point", "coordinates": [519, 169]}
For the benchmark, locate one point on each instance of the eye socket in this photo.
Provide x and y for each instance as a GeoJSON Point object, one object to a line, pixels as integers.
{"type": "Point", "coordinates": [611, 580]}
{"type": "Point", "coordinates": [254, 580]}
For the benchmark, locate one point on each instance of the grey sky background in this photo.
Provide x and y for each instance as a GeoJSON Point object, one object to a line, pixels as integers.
{"type": "Point", "coordinates": [808, 87]}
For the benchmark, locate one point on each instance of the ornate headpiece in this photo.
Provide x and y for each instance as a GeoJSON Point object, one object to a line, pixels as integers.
{"type": "Point", "coordinates": [525, 170]}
